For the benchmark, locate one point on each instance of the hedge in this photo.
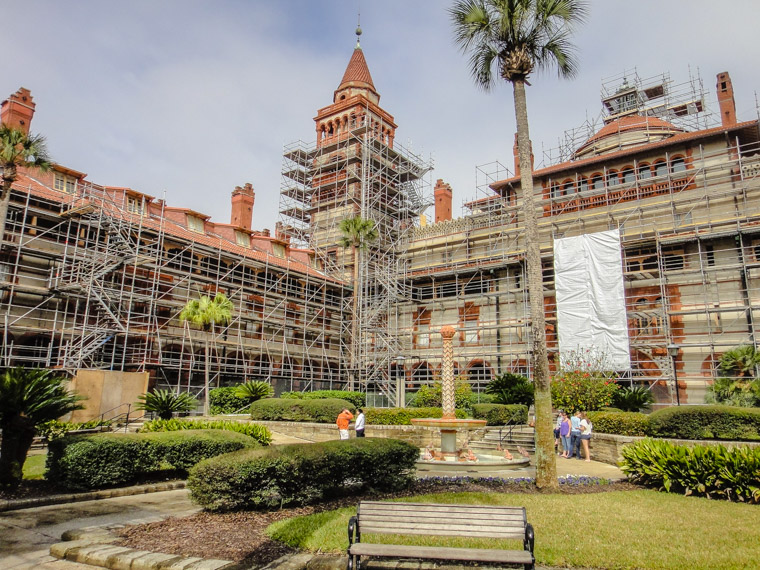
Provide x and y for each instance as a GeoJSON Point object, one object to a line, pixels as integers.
{"type": "Point", "coordinates": [707, 422]}
{"type": "Point", "coordinates": [500, 414]}
{"type": "Point", "coordinates": [82, 462]}
{"type": "Point", "coordinates": [258, 432]}
{"type": "Point", "coordinates": [302, 473]}
{"type": "Point", "coordinates": [224, 401]}
{"type": "Point", "coordinates": [403, 416]}
{"type": "Point", "coordinates": [296, 410]}
{"type": "Point", "coordinates": [358, 399]}
{"type": "Point", "coordinates": [711, 471]}
{"type": "Point", "coordinates": [620, 423]}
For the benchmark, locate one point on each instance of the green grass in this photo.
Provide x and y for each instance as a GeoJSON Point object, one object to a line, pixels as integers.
{"type": "Point", "coordinates": [34, 466]}
{"type": "Point", "coordinates": [621, 529]}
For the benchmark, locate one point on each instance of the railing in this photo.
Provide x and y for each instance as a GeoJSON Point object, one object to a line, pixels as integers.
{"type": "Point", "coordinates": [509, 428]}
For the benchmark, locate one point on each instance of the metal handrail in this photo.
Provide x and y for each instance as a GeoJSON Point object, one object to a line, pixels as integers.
{"type": "Point", "coordinates": [511, 425]}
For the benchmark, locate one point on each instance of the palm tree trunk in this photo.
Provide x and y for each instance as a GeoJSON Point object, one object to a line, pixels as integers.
{"type": "Point", "coordinates": [546, 466]}
{"type": "Point", "coordinates": [18, 434]}
{"type": "Point", "coordinates": [354, 320]}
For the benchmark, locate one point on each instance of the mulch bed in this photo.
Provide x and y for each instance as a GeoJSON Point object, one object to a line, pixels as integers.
{"type": "Point", "coordinates": [241, 536]}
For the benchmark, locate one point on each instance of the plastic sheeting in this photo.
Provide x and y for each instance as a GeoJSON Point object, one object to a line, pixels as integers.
{"type": "Point", "coordinates": [588, 277]}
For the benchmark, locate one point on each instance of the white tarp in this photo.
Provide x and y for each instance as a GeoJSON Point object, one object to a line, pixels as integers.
{"type": "Point", "coordinates": [588, 277]}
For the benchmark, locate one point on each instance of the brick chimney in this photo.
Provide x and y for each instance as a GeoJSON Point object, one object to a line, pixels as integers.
{"type": "Point", "coordinates": [516, 152]}
{"type": "Point", "coordinates": [18, 109]}
{"type": "Point", "coordinates": [443, 196]}
{"type": "Point", "coordinates": [242, 206]}
{"type": "Point", "coordinates": [726, 99]}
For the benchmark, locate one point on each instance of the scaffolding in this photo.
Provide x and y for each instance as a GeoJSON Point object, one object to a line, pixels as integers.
{"type": "Point", "coordinates": [359, 172]}
{"type": "Point", "coordinates": [97, 279]}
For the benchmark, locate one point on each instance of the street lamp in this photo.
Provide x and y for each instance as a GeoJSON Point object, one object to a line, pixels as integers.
{"type": "Point", "coordinates": [400, 382]}
{"type": "Point", "coordinates": [673, 353]}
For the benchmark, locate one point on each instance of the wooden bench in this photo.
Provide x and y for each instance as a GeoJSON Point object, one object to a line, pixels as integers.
{"type": "Point", "coordinates": [430, 519]}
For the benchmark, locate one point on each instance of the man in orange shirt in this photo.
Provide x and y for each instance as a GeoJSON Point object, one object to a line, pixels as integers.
{"type": "Point", "coordinates": [343, 418]}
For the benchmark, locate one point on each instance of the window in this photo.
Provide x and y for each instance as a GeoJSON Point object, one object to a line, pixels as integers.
{"type": "Point", "coordinates": [710, 254]}
{"type": "Point", "coordinates": [661, 168]}
{"type": "Point", "coordinates": [422, 328]}
{"type": "Point", "coordinates": [195, 224]}
{"type": "Point", "coordinates": [612, 178]}
{"type": "Point", "coordinates": [678, 164]}
{"type": "Point", "coordinates": [597, 182]}
{"type": "Point", "coordinates": [555, 190]}
{"type": "Point", "coordinates": [583, 185]}
{"type": "Point", "coordinates": [672, 262]}
{"type": "Point", "coordinates": [469, 316]}
{"type": "Point", "coordinates": [65, 183]}
{"type": "Point", "coordinates": [644, 171]}
{"type": "Point", "coordinates": [567, 187]}
{"type": "Point", "coordinates": [135, 205]}
{"type": "Point", "coordinates": [242, 239]}
{"type": "Point", "coordinates": [629, 176]}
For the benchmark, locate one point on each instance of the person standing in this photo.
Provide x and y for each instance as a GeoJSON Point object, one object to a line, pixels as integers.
{"type": "Point", "coordinates": [586, 427]}
{"type": "Point", "coordinates": [575, 435]}
{"type": "Point", "coordinates": [557, 427]}
{"type": "Point", "coordinates": [343, 420]}
{"type": "Point", "coordinates": [359, 425]}
{"type": "Point", "coordinates": [564, 433]}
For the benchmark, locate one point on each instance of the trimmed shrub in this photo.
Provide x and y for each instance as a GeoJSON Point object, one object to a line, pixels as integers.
{"type": "Point", "coordinates": [501, 414]}
{"type": "Point", "coordinates": [300, 474]}
{"type": "Point", "coordinates": [297, 410]}
{"type": "Point", "coordinates": [403, 416]}
{"type": "Point", "coordinates": [358, 399]}
{"type": "Point", "coordinates": [258, 432]}
{"type": "Point", "coordinates": [706, 422]}
{"type": "Point", "coordinates": [226, 401]}
{"type": "Point", "coordinates": [620, 423]}
{"type": "Point", "coordinates": [711, 471]}
{"type": "Point", "coordinates": [431, 396]}
{"type": "Point", "coordinates": [82, 462]}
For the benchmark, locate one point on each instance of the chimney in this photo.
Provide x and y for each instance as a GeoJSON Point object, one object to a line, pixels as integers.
{"type": "Point", "coordinates": [443, 195]}
{"type": "Point", "coordinates": [726, 99]}
{"type": "Point", "coordinates": [516, 152]}
{"type": "Point", "coordinates": [242, 206]}
{"type": "Point", "coordinates": [18, 109]}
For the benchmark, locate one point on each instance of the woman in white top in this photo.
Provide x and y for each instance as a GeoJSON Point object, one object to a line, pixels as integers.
{"type": "Point", "coordinates": [586, 427]}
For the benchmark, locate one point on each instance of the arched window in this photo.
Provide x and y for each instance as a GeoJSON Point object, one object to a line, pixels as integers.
{"type": "Point", "coordinates": [597, 181]}
{"type": "Point", "coordinates": [678, 164]}
{"type": "Point", "coordinates": [567, 187]}
{"type": "Point", "coordinates": [612, 178]}
{"type": "Point", "coordinates": [660, 168]}
{"type": "Point", "coordinates": [555, 190]}
{"type": "Point", "coordinates": [629, 176]}
{"type": "Point", "coordinates": [582, 184]}
{"type": "Point", "coordinates": [645, 171]}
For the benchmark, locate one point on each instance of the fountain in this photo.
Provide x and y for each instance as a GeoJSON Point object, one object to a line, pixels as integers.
{"type": "Point", "coordinates": [448, 457]}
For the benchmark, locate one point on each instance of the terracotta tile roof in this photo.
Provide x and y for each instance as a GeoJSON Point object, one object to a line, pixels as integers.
{"type": "Point", "coordinates": [608, 157]}
{"type": "Point", "coordinates": [631, 123]}
{"type": "Point", "coordinates": [357, 73]}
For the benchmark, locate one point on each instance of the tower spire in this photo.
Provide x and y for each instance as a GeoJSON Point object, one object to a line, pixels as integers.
{"type": "Point", "coordinates": [358, 29]}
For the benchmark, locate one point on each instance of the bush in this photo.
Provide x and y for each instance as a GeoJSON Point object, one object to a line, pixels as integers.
{"type": "Point", "coordinates": [403, 416]}
{"type": "Point", "coordinates": [55, 429]}
{"type": "Point", "coordinates": [707, 422]}
{"type": "Point", "coordinates": [258, 432]}
{"type": "Point", "coordinates": [501, 414]}
{"type": "Point", "coordinates": [575, 391]}
{"type": "Point", "coordinates": [620, 423]}
{"type": "Point", "coordinates": [633, 399]}
{"type": "Point", "coordinates": [226, 401]}
{"type": "Point", "coordinates": [511, 388]}
{"type": "Point", "coordinates": [165, 402]}
{"type": "Point", "coordinates": [296, 410]}
{"type": "Point", "coordinates": [300, 474]}
{"type": "Point", "coordinates": [82, 462]}
{"type": "Point", "coordinates": [358, 399]}
{"type": "Point", "coordinates": [734, 392]}
{"type": "Point", "coordinates": [711, 471]}
{"type": "Point", "coordinates": [432, 396]}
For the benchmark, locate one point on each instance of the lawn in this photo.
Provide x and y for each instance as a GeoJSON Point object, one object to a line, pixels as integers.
{"type": "Point", "coordinates": [619, 529]}
{"type": "Point", "coordinates": [34, 466]}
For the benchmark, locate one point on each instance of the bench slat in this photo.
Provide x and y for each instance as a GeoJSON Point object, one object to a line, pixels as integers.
{"type": "Point", "coordinates": [436, 507]}
{"type": "Point", "coordinates": [440, 553]}
{"type": "Point", "coordinates": [443, 532]}
{"type": "Point", "coordinates": [450, 528]}
{"type": "Point", "coordinates": [429, 517]}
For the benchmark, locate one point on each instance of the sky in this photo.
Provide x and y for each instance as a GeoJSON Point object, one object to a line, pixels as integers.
{"type": "Point", "coordinates": [186, 99]}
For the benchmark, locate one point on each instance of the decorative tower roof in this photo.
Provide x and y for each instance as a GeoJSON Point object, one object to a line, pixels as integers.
{"type": "Point", "coordinates": [357, 75]}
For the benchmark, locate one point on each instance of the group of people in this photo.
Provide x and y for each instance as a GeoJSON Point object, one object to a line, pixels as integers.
{"type": "Point", "coordinates": [344, 419]}
{"type": "Point", "coordinates": [573, 432]}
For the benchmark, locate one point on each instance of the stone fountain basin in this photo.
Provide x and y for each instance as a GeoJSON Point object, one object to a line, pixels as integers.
{"type": "Point", "coordinates": [486, 462]}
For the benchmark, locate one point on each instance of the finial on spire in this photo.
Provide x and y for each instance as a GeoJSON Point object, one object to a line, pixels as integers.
{"type": "Point", "coordinates": [358, 29]}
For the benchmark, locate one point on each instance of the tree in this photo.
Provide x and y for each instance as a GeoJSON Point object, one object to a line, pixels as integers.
{"type": "Point", "coordinates": [205, 313]}
{"type": "Point", "coordinates": [18, 149]}
{"type": "Point", "coordinates": [358, 234]}
{"type": "Point", "coordinates": [28, 398]}
{"type": "Point", "coordinates": [508, 39]}
{"type": "Point", "coordinates": [165, 402]}
{"type": "Point", "coordinates": [740, 362]}
{"type": "Point", "coordinates": [509, 388]}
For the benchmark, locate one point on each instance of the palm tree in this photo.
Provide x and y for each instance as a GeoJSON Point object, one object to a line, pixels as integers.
{"type": "Point", "coordinates": [18, 148]}
{"type": "Point", "coordinates": [358, 234]}
{"type": "Point", "coordinates": [508, 39]}
{"type": "Point", "coordinates": [740, 362]}
{"type": "Point", "coordinates": [205, 313]}
{"type": "Point", "coordinates": [28, 398]}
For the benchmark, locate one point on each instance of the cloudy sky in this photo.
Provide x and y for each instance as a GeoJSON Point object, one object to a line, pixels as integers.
{"type": "Point", "coordinates": [191, 98]}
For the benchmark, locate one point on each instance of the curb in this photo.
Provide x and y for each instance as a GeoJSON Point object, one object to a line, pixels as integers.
{"type": "Point", "coordinates": [95, 548]}
{"type": "Point", "coordinates": [17, 504]}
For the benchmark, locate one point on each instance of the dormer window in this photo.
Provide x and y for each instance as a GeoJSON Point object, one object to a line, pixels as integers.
{"type": "Point", "coordinates": [195, 224]}
{"type": "Point", "coordinates": [279, 250]}
{"type": "Point", "coordinates": [135, 205]}
{"type": "Point", "coordinates": [64, 183]}
{"type": "Point", "coordinates": [242, 239]}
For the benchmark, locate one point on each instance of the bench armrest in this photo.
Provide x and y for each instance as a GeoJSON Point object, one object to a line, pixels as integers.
{"type": "Point", "coordinates": [529, 538]}
{"type": "Point", "coordinates": [353, 531]}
